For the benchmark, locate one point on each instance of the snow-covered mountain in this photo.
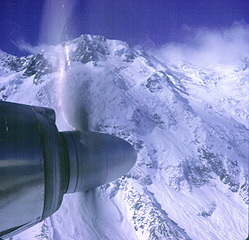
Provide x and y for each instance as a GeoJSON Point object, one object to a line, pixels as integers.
{"type": "Point", "coordinates": [189, 126]}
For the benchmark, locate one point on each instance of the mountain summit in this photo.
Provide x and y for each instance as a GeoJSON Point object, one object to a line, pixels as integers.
{"type": "Point", "coordinates": [189, 126]}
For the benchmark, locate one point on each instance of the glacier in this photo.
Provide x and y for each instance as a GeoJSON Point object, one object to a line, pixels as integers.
{"type": "Point", "coordinates": [188, 124]}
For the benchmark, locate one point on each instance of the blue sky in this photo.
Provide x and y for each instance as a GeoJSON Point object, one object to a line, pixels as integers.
{"type": "Point", "coordinates": [143, 22]}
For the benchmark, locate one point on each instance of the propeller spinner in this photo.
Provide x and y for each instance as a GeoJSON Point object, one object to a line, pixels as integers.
{"type": "Point", "coordinates": [38, 164]}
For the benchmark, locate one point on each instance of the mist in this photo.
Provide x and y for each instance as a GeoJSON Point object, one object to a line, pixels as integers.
{"type": "Point", "coordinates": [54, 22]}
{"type": "Point", "coordinates": [205, 47]}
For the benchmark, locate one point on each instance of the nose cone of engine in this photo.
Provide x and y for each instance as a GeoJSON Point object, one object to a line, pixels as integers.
{"type": "Point", "coordinates": [120, 157]}
{"type": "Point", "coordinates": [96, 159]}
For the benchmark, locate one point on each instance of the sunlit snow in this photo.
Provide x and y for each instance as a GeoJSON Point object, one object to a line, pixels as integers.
{"type": "Point", "coordinates": [188, 124]}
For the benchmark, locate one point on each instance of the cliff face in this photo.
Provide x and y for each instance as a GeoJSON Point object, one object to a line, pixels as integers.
{"type": "Point", "coordinates": [189, 126]}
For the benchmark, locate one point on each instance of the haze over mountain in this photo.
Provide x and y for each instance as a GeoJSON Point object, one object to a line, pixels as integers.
{"type": "Point", "coordinates": [188, 123]}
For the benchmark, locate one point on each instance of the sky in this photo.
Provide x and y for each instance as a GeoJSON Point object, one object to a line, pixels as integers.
{"type": "Point", "coordinates": [139, 22]}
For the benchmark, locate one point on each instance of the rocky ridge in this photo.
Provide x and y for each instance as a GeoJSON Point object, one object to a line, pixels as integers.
{"type": "Point", "coordinates": [190, 137]}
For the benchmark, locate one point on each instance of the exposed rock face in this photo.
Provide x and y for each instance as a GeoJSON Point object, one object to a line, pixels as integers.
{"type": "Point", "coordinates": [188, 125]}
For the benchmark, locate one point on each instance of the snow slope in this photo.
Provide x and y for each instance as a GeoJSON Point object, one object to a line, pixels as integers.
{"type": "Point", "coordinates": [188, 124]}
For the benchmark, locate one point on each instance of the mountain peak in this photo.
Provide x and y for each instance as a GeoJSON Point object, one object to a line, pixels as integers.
{"type": "Point", "coordinates": [188, 125]}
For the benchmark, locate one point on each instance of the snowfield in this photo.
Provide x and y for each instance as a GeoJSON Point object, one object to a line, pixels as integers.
{"type": "Point", "coordinates": [188, 124]}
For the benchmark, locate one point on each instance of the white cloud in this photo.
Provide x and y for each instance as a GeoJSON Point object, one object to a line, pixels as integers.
{"type": "Point", "coordinates": [26, 47]}
{"type": "Point", "coordinates": [2, 53]}
{"type": "Point", "coordinates": [209, 47]}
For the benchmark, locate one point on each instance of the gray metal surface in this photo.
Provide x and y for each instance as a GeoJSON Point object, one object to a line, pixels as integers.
{"type": "Point", "coordinates": [21, 167]}
{"type": "Point", "coordinates": [96, 159]}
